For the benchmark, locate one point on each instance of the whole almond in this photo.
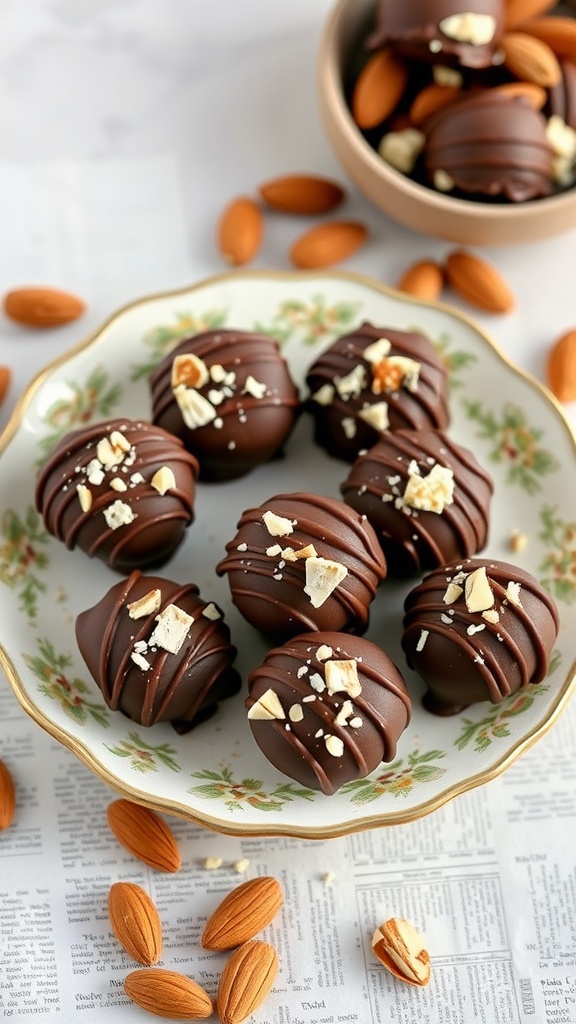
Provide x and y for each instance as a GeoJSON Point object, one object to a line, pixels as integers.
{"type": "Point", "coordinates": [246, 981]}
{"type": "Point", "coordinates": [145, 834]}
{"type": "Point", "coordinates": [518, 11]}
{"type": "Point", "coordinates": [477, 281]}
{"type": "Point", "coordinates": [557, 32]}
{"type": "Point", "coordinates": [530, 59]}
{"type": "Point", "coordinates": [7, 797]}
{"type": "Point", "coordinates": [168, 994]}
{"type": "Point", "coordinates": [562, 367]}
{"type": "Point", "coordinates": [423, 279]}
{"type": "Point", "coordinates": [431, 98]}
{"type": "Point", "coordinates": [240, 231]}
{"type": "Point", "coordinates": [243, 913]}
{"type": "Point", "coordinates": [534, 94]}
{"type": "Point", "coordinates": [327, 244]}
{"type": "Point", "coordinates": [42, 307]}
{"type": "Point", "coordinates": [378, 89]}
{"type": "Point", "coordinates": [135, 922]}
{"type": "Point", "coordinates": [301, 194]}
{"type": "Point", "coordinates": [5, 379]}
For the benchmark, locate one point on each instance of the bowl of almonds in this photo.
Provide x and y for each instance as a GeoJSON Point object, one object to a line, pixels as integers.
{"type": "Point", "coordinates": [457, 119]}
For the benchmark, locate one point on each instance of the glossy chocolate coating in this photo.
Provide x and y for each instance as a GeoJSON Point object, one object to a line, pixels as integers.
{"type": "Point", "coordinates": [268, 588]}
{"type": "Point", "coordinates": [462, 656]}
{"type": "Point", "coordinates": [181, 688]}
{"type": "Point", "coordinates": [412, 27]}
{"type": "Point", "coordinates": [563, 96]}
{"type": "Point", "coordinates": [416, 540]}
{"type": "Point", "coordinates": [160, 520]}
{"type": "Point", "coordinates": [491, 144]}
{"type": "Point", "coordinates": [339, 424]}
{"type": "Point", "coordinates": [383, 708]}
{"type": "Point", "coordinates": [246, 430]}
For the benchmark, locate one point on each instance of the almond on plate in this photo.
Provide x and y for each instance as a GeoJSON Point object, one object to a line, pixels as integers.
{"type": "Point", "coordinates": [477, 281]}
{"type": "Point", "coordinates": [562, 367]}
{"type": "Point", "coordinates": [42, 307]}
{"type": "Point", "coordinates": [423, 279]}
{"type": "Point", "coordinates": [246, 981]}
{"type": "Point", "coordinates": [240, 231]}
{"type": "Point", "coordinates": [378, 89]}
{"type": "Point", "coordinates": [145, 834]}
{"type": "Point", "coordinates": [327, 244]}
{"type": "Point", "coordinates": [7, 797]}
{"type": "Point", "coordinates": [168, 994]}
{"type": "Point", "coordinates": [135, 922]}
{"type": "Point", "coordinates": [243, 913]}
{"type": "Point", "coordinates": [301, 194]}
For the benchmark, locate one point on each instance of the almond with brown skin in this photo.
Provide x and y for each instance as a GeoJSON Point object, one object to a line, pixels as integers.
{"type": "Point", "coordinates": [327, 244]}
{"type": "Point", "coordinates": [424, 279]}
{"type": "Point", "coordinates": [243, 913]}
{"type": "Point", "coordinates": [7, 797]}
{"type": "Point", "coordinates": [431, 98]}
{"type": "Point", "coordinates": [562, 367]}
{"type": "Point", "coordinates": [401, 949]}
{"type": "Point", "coordinates": [42, 307]}
{"type": "Point", "coordinates": [477, 281]}
{"type": "Point", "coordinates": [240, 231]}
{"type": "Point", "coordinates": [135, 922]}
{"type": "Point", "coordinates": [145, 834]}
{"type": "Point", "coordinates": [516, 12]}
{"type": "Point", "coordinates": [301, 194]}
{"type": "Point", "coordinates": [5, 379]}
{"type": "Point", "coordinates": [168, 994]}
{"type": "Point", "coordinates": [246, 981]}
{"type": "Point", "coordinates": [378, 89]}
{"type": "Point", "coordinates": [558, 33]}
{"type": "Point", "coordinates": [530, 59]}
{"type": "Point", "coordinates": [534, 94]}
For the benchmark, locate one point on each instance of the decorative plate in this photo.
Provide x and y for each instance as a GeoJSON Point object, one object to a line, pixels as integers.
{"type": "Point", "coordinates": [216, 775]}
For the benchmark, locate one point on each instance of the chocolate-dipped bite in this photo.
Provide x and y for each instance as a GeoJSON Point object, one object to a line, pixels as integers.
{"type": "Point", "coordinates": [445, 31]}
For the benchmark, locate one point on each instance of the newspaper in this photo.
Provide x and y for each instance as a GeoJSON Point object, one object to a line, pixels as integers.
{"type": "Point", "coordinates": [489, 880]}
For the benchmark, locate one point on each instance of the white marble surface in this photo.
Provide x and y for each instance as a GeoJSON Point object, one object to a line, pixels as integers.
{"type": "Point", "coordinates": [143, 119]}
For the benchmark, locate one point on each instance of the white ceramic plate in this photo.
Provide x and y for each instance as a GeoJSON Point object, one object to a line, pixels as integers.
{"type": "Point", "coordinates": [216, 775]}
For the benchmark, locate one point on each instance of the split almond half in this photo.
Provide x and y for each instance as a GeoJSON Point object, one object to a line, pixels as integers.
{"type": "Point", "coordinates": [42, 307]}
{"type": "Point", "coordinates": [135, 922]}
{"type": "Point", "coordinates": [7, 797]}
{"type": "Point", "coordinates": [240, 231]}
{"type": "Point", "coordinates": [301, 194]}
{"type": "Point", "coordinates": [145, 834]}
{"type": "Point", "coordinates": [327, 244]}
{"type": "Point", "coordinates": [243, 913]}
{"type": "Point", "coordinates": [379, 88]}
{"type": "Point", "coordinates": [168, 994]}
{"type": "Point", "coordinates": [478, 282]}
{"type": "Point", "coordinates": [246, 981]}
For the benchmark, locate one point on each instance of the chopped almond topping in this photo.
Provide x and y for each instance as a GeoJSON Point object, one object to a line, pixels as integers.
{"type": "Point", "coordinates": [376, 415]}
{"type": "Point", "coordinates": [163, 480]}
{"type": "Point", "coordinates": [478, 593]}
{"type": "Point", "coordinates": [322, 577]}
{"type": "Point", "coordinates": [189, 370]}
{"type": "Point", "coordinates": [453, 592]}
{"type": "Point", "coordinates": [308, 552]}
{"type": "Point", "coordinates": [324, 652]}
{"type": "Point", "coordinates": [346, 712]}
{"type": "Point", "coordinates": [430, 493]}
{"type": "Point", "coordinates": [352, 384]}
{"type": "Point", "coordinates": [196, 410]}
{"type": "Point", "coordinates": [118, 484]}
{"type": "Point", "coordinates": [334, 745]}
{"type": "Point", "coordinates": [211, 612]}
{"type": "Point", "coordinates": [267, 707]}
{"type": "Point", "coordinates": [343, 676]}
{"type": "Point", "coordinates": [108, 454]}
{"type": "Point", "coordinates": [491, 616]}
{"type": "Point", "coordinates": [140, 661]}
{"type": "Point", "coordinates": [254, 387]}
{"type": "Point", "coordinates": [469, 27]}
{"type": "Point", "coordinates": [119, 441]}
{"type": "Point", "coordinates": [349, 427]}
{"type": "Point", "coordinates": [277, 526]}
{"type": "Point", "coordinates": [377, 351]}
{"type": "Point", "coordinates": [395, 372]}
{"type": "Point", "coordinates": [295, 713]}
{"type": "Point", "coordinates": [118, 514]}
{"type": "Point", "coordinates": [146, 605]}
{"type": "Point", "coordinates": [84, 497]}
{"type": "Point", "coordinates": [173, 626]}
{"type": "Point", "coordinates": [324, 395]}
{"type": "Point", "coordinates": [513, 594]}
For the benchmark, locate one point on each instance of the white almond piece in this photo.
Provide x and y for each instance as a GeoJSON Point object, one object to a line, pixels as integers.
{"type": "Point", "coordinates": [95, 472]}
{"type": "Point", "coordinates": [334, 745]}
{"type": "Point", "coordinates": [107, 455]}
{"type": "Point", "coordinates": [119, 441]}
{"type": "Point", "coordinates": [322, 578]}
{"type": "Point", "coordinates": [346, 712]}
{"type": "Point", "coordinates": [295, 713]}
{"type": "Point", "coordinates": [273, 550]}
{"type": "Point", "coordinates": [317, 683]}
{"type": "Point", "coordinates": [308, 552]}
{"type": "Point", "coordinates": [84, 497]}
{"type": "Point", "coordinates": [376, 415]}
{"type": "Point", "coordinates": [352, 384]}
{"type": "Point", "coordinates": [118, 514]}
{"type": "Point", "coordinates": [513, 594]}
{"type": "Point", "coordinates": [163, 480]}
{"type": "Point", "coordinates": [491, 616]}
{"type": "Point", "coordinates": [173, 626]}
{"type": "Point", "coordinates": [254, 387]}
{"type": "Point", "coordinates": [140, 661]}
{"type": "Point", "coordinates": [469, 27]}
{"type": "Point", "coordinates": [146, 605]}
{"type": "Point", "coordinates": [324, 652]}
{"type": "Point", "coordinates": [212, 863]}
{"type": "Point", "coordinates": [377, 350]}
{"type": "Point", "coordinates": [478, 593]}
{"type": "Point", "coordinates": [241, 866]}
{"type": "Point", "coordinates": [189, 370]}
{"type": "Point", "coordinates": [196, 410]}
{"type": "Point", "coordinates": [442, 181]}
{"type": "Point", "coordinates": [267, 707]}
{"type": "Point", "coordinates": [217, 373]}
{"type": "Point", "coordinates": [211, 612]}
{"type": "Point", "coordinates": [401, 149]}
{"type": "Point", "coordinates": [324, 395]}
{"type": "Point", "coordinates": [452, 593]}
{"type": "Point", "coordinates": [349, 427]}
{"type": "Point", "coordinates": [444, 75]}
{"type": "Point", "coordinates": [430, 493]}
{"type": "Point", "coordinates": [118, 484]}
{"type": "Point", "coordinates": [343, 676]}
{"type": "Point", "coordinates": [422, 640]}
{"type": "Point", "coordinates": [277, 526]}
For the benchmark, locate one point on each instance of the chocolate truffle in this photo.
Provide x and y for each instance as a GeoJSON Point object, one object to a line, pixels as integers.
{"type": "Point", "coordinates": [230, 398]}
{"type": "Point", "coordinates": [158, 652]}
{"type": "Point", "coordinates": [563, 95]}
{"type": "Point", "coordinates": [489, 144]}
{"type": "Point", "coordinates": [373, 380]}
{"type": "Point", "coordinates": [444, 31]}
{"type": "Point", "coordinates": [302, 562]}
{"type": "Point", "coordinates": [327, 709]}
{"type": "Point", "coordinates": [477, 631]}
{"type": "Point", "coordinates": [427, 498]}
{"type": "Point", "coordinates": [122, 490]}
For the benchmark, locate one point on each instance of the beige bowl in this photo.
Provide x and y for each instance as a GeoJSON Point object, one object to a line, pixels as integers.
{"type": "Point", "coordinates": [418, 207]}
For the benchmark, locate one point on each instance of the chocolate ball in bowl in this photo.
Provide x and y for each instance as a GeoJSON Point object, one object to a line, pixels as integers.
{"type": "Point", "coordinates": [478, 630]}
{"type": "Point", "coordinates": [445, 31]}
{"type": "Point", "coordinates": [327, 708]}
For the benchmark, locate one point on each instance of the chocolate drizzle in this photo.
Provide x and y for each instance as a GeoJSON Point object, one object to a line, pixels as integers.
{"type": "Point", "coordinates": [269, 589]}
{"type": "Point", "coordinates": [416, 540]}
{"type": "Point", "coordinates": [383, 708]}
{"type": "Point", "coordinates": [464, 657]}
{"type": "Point", "coordinates": [425, 406]}
{"type": "Point", "coordinates": [181, 687]}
